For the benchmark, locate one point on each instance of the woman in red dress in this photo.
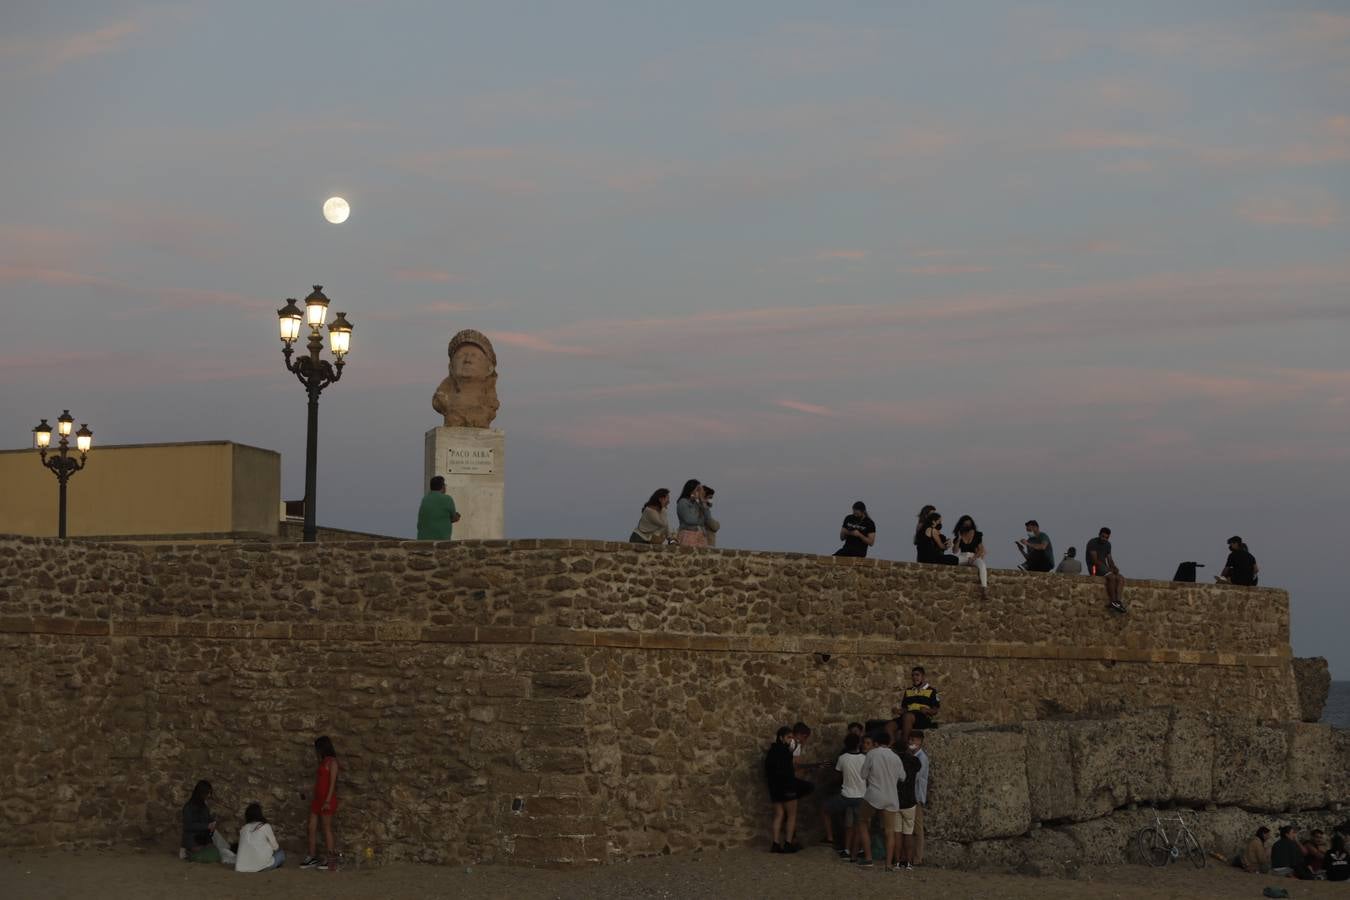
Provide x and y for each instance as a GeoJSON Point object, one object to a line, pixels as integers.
{"type": "Point", "coordinates": [324, 802]}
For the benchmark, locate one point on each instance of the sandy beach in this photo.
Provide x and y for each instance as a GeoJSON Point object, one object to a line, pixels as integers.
{"type": "Point", "coordinates": [139, 875]}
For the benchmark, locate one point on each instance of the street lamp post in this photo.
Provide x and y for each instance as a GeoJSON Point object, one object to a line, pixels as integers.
{"type": "Point", "coordinates": [315, 374]}
{"type": "Point", "coordinates": [61, 462]}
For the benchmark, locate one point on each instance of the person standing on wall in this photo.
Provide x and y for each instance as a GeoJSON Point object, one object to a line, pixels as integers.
{"type": "Point", "coordinates": [710, 525]}
{"type": "Point", "coordinates": [858, 532]}
{"type": "Point", "coordinates": [693, 515]}
{"type": "Point", "coordinates": [1241, 567]}
{"type": "Point", "coordinates": [1102, 564]}
{"type": "Point", "coordinates": [1035, 548]}
{"type": "Point", "coordinates": [436, 517]}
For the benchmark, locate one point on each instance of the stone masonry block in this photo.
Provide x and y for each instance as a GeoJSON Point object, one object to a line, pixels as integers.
{"type": "Point", "coordinates": [978, 788]}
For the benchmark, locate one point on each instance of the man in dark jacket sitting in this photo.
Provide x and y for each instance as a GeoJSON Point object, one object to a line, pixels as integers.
{"type": "Point", "coordinates": [1286, 857]}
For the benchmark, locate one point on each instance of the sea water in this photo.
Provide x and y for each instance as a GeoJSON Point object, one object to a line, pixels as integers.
{"type": "Point", "coordinates": [1337, 710]}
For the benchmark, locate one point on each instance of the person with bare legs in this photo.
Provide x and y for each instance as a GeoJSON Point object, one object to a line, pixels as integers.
{"type": "Point", "coordinates": [323, 804]}
{"type": "Point", "coordinates": [1101, 563]}
{"type": "Point", "coordinates": [782, 779]}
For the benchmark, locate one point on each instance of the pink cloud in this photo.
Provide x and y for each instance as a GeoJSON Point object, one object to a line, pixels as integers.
{"type": "Point", "coordinates": [436, 276]}
{"type": "Point", "coordinates": [1308, 211]}
{"type": "Point", "coordinates": [20, 274]}
{"type": "Point", "coordinates": [809, 408]}
{"type": "Point", "coordinates": [538, 344]}
{"type": "Point", "coordinates": [1097, 139]}
{"type": "Point", "coordinates": [952, 269]}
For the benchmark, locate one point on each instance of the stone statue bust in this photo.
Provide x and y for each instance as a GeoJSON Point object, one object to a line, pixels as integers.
{"type": "Point", "coordinates": [468, 395]}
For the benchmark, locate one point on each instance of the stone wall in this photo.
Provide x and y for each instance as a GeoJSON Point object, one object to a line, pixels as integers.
{"type": "Point", "coordinates": [546, 701]}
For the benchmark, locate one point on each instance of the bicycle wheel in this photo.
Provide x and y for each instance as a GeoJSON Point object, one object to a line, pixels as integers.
{"type": "Point", "coordinates": [1190, 845]}
{"type": "Point", "coordinates": [1152, 848]}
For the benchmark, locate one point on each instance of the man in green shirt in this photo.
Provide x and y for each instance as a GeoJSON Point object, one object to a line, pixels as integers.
{"type": "Point", "coordinates": [436, 516]}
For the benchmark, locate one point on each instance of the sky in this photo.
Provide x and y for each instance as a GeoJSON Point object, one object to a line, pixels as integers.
{"type": "Point", "coordinates": [1085, 263]}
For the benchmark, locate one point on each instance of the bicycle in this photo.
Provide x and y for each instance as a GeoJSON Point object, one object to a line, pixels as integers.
{"type": "Point", "coordinates": [1158, 848]}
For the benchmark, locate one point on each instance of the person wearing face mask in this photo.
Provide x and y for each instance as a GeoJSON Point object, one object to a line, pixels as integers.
{"type": "Point", "coordinates": [1036, 549]}
{"type": "Point", "coordinates": [931, 544]}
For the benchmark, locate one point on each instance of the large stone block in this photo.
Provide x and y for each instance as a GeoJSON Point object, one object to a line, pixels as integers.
{"type": "Point", "coordinates": [1251, 765]}
{"type": "Point", "coordinates": [1190, 758]}
{"type": "Point", "coordinates": [1312, 765]}
{"type": "Point", "coordinates": [978, 786]}
{"type": "Point", "coordinates": [1312, 678]}
{"type": "Point", "coordinates": [1049, 767]}
{"type": "Point", "coordinates": [1118, 761]}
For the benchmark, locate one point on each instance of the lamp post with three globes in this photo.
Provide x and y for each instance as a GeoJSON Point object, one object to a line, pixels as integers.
{"type": "Point", "coordinates": [61, 462]}
{"type": "Point", "coordinates": [315, 374]}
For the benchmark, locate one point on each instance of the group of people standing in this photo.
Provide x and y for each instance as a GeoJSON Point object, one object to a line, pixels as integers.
{"type": "Point", "coordinates": [257, 849]}
{"type": "Point", "coordinates": [882, 777]}
{"type": "Point", "coordinates": [693, 512]}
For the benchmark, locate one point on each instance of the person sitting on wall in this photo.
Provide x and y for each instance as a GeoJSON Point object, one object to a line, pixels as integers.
{"type": "Point", "coordinates": [858, 532]}
{"type": "Point", "coordinates": [1241, 567]}
{"type": "Point", "coordinates": [1036, 550]}
{"type": "Point", "coordinates": [1070, 565]}
{"type": "Point", "coordinates": [201, 842]}
{"type": "Point", "coordinates": [1286, 857]}
{"type": "Point", "coordinates": [1255, 857]}
{"type": "Point", "coordinates": [918, 707]}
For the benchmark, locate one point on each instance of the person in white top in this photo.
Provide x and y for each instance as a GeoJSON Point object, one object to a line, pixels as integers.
{"type": "Point", "coordinates": [258, 849]}
{"type": "Point", "coordinates": [851, 790]}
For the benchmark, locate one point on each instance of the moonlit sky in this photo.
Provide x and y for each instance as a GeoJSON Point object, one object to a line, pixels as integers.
{"type": "Point", "coordinates": [1086, 265]}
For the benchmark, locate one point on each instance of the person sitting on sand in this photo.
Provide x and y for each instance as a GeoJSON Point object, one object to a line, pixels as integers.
{"type": "Point", "coordinates": [1286, 857]}
{"type": "Point", "coordinates": [1255, 856]}
{"type": "Point", "coordinates": [1337, 861]}
{"type": "Point", "coordinates": [201, 842]}
{"type": "Point", "coordinates": [1315, 850]}
{"type": "Point", "coordinates": [258, 847]}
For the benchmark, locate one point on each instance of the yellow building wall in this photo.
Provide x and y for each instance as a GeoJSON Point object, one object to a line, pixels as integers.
{"type": "Point", "coordinates": [146, 489]}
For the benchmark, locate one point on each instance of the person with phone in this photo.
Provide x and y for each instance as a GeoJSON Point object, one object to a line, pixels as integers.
{"type": "Point", "coordinates": [858, 532]}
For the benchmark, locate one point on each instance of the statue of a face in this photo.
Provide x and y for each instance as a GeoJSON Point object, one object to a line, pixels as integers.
{"type": "Point", "coordinates": [470, 361]}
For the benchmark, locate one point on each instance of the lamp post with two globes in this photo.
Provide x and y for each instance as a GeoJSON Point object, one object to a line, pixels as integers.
{"type": "Point", "coordinates": [315, 374]}
{"type": "Point", "coordinates": [62, 464]}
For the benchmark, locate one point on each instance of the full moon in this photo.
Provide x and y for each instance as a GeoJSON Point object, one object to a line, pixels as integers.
{"type": "Point", "coordinates": [336, 210]}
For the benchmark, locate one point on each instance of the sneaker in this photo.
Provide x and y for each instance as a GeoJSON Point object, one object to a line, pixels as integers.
{"type": "Point", "coordinates": [898, 867]}
{"type": "Point", "coordinates": [776, 848]}
{"type": "Point", "coordinates": [1116, 606]}
{"type": "Point", "coordinates": [791, 848]}
{"type": "Point", "coordinates": [909, 867]}
{"type": "Point", "coordinates": [845, 856]}
{"type": "Point", "coordinates": [182, 853]}
{"type": "Point", "coordinates": [311, 862]}
{"type": "Point", "coordinates": [865, 864]}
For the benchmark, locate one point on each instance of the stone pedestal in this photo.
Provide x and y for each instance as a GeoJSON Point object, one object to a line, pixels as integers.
{"type": "Point", "coordinates": [473, 463]}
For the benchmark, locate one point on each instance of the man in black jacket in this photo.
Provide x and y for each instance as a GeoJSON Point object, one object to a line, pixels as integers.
{"type": "Point", "coordinates": [1286, 857]}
